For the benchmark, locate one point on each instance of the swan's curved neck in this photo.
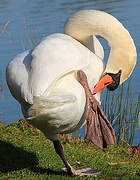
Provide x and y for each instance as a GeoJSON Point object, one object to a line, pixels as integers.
{"type": "Point", "coordinates": [85, 23]}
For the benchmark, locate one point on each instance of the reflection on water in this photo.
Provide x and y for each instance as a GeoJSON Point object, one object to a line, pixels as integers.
{"type": "Point", "coordinates": [48, 17]}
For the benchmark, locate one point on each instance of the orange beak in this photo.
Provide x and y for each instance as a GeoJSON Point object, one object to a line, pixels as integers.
{"type": "Point", "coordinates": [104, 82]}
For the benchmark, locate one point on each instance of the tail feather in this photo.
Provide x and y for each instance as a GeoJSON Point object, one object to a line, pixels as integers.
{"type": "Point", "coordinates": [43, 104]}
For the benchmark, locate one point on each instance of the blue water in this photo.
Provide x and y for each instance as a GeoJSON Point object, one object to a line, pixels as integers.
{"type": "Point", "coordinates": [47, 17]}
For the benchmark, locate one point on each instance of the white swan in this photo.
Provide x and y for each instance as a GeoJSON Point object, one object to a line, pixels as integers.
{"type": "Point", "coordinates": [44, 82]}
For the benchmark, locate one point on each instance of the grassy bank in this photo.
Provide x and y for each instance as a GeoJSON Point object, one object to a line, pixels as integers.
{"type": "Point", "coordinates": [26, 154]}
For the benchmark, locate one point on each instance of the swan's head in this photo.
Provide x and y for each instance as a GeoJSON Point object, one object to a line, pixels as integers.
{"type": "Point", "coordinates": [109, 80]}
{"type": "Point", "coordinates": [118, 69]}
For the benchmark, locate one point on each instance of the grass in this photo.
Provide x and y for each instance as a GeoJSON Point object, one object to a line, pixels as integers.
{"type": "Point", "coordinates": [25, 153]}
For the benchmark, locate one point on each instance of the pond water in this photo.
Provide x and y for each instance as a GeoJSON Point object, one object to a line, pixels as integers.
{"type": "Point", "coordinates": [47, 17]}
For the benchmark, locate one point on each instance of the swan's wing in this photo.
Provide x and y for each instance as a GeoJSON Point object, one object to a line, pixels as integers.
{"type": "Point", "coordinates": [17, 75]}
{"type": "Point", "coordinates": [59, 54]}
{"type": "Point", "coordinates": [33, 73]}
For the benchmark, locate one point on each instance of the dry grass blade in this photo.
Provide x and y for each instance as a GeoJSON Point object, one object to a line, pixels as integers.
{"type": "Point", "coordinates": [30, 36]}
{"type": "Point", "coordinates": [4, 29]}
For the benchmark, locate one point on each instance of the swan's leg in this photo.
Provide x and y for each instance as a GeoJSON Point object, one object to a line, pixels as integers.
{"type": "Point", "coordinates": [59, 150]}
{"type": "Point", "coordinates": [69, 169]}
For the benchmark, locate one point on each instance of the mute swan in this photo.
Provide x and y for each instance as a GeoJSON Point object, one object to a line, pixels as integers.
{"type": "Point", "coordinates": [44, 80]}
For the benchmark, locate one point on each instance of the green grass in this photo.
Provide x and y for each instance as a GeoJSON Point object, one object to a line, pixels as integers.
{"type": "Point", "coordinates": [26, 154]}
